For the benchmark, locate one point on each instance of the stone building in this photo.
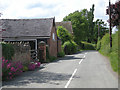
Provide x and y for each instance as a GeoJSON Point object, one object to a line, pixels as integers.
{"type": "Point", "coordinates": [33, 31]}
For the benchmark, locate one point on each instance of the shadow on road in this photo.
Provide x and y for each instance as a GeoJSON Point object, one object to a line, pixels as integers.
{"type": "Point", "coordinates": [36, 76]}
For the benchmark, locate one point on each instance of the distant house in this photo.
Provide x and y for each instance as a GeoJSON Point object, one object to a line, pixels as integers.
{"type": "Point", "coordinates": [32, 30]}
{"type": "Point", "coordinates": [68, 26]}
{"type": "Point", "coordinates": [65, 24]}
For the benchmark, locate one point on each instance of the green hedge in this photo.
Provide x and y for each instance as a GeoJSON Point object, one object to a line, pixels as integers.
{"type": "Point", "coordinates": [61, 54]}
{"type": "Point", "coordinates": [70, 47]}
{"type": "Point", "coordinates": [111, 53]}
{"type": "Point", "coordinates": [7, 50]}
{"type": "Point", "coordinates": [87, 46]}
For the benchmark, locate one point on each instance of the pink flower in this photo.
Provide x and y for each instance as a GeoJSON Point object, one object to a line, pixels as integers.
{"type": "Point", "coordinates": [6, 61]}
{"type": "Point", "coordinates": [9, 65]}
{"type": "Point", "coordinates": [10, 73]}
{"type": "Point", "coordinates": [13, 69]}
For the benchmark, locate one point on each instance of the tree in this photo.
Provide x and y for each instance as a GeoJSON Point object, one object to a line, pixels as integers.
{"type": "Point", "coordinates": [100, 29]}
{"type": "Point", "coordinates": [63, 34]}
{"type": "Point", "coordinates": [79, 22]}
{"type": "Point", "coordinates": [115, 13]}
{"type": "Point", "coordinates": [90, 23]}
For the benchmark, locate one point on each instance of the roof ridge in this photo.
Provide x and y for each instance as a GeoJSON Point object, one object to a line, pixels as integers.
{"type": "Point", "coordinates": [30, 19]}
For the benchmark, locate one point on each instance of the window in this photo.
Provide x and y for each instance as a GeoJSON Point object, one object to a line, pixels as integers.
{"type": "Point", "coordinates": [53, 37]}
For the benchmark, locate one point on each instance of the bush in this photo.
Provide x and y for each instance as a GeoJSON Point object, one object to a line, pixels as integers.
{"type": "Point", "coordinates": [105, 44]}
{"type": "Point", "coordinates": [61, 54]}
{"type": "Point", "coordinates": [25, 68]}
{"type": "Point", "coordinates": [70, 47]}
{"type": "Point", "coordinates": [7, 51]}
{"type": "Point", "coordinates": [87, 46]}
{"type": "Point", "coordinates": [112, 53]}
{"type": "Point", "coordinates": [31, 66]}
{"type": "Point", "coordinates": [10, 69]}
{"type": "Point", "coordinates": [63, 34]}
{"type": "Point", "coordinates": [98, 45]}
{"type": "Point", "coordinates": [52, 58]}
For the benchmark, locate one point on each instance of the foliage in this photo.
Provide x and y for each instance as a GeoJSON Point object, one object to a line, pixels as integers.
{"type": "Point", "coordinates": [105, 46]}
{"type": "Point", "coordinates": [119, 50]}
{"type": "Point", "coordinates": [87, 46]}
{"type": "Point", "coordinates": [31, 66]}
{"type": "Point", "coordinates": [115, 13]}
{"type": "Point", "coordinates": [79, 24]}
{"type": "Point", "coordinates": [25, 68]}
{"type": "Point", "coordinates": [70, 47]}
{"type": "Point", "coordinates": [37, 64]}
{"type": "Point", "coordinates": [90, 24]}
{"type": "Point", "coordinates": [61, 54]}
{"type": "Point", "coordinates": [52, 58]}
{"type": "Point", "coordinates": [98, 44]}
{"type": "Point", "coordinates": [7, 51]}
{"type": "Point", "coordinates": [99, 30]}
{"type": "Point", "coordinates": [111, 53]}
{"type": "Point", "coordinates": [10, 69]}
{"type": "Point", "coordinates": [63, 34]}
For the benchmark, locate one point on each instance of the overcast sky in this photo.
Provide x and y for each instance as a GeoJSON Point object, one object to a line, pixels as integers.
{"type": "Point", "coordinates": [27, 9]}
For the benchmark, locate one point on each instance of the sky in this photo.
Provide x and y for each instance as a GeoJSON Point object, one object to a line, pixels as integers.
{"type": "Point", "coordinates": [31, 9]}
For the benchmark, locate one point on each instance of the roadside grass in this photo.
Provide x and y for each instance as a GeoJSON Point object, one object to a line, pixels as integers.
{"type": "Point", "coordinates": [111, 53]}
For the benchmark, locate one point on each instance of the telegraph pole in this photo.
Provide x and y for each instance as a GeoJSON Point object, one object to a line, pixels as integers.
{"type": "Point", "coordinates": [110, 29]}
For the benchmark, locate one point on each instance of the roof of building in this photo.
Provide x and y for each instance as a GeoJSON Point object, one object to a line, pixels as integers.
{"type": "Point", "coordinates": [65, 24]}
{"type": "Point", "coordinates": [27, 27]}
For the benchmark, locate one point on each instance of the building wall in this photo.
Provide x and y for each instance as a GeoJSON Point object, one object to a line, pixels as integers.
{"type": "Point", "coordinates": [59, 46]}
{"type": "Point", "coordinates": [53, 43]}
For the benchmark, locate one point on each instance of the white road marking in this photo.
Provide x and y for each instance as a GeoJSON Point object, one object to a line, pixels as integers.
{"type": "Point", "coordinates": [84, 56]}
{"type": "Point", "coordinates": [71, 78]}
{"type": "Point", "coordinates": [80, 61]}
{"type": "Point", "coordinates": [85, 53]}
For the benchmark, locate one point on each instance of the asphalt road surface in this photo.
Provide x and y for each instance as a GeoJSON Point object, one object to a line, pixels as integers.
{"type": "Point", "coordinates": [88, 69]}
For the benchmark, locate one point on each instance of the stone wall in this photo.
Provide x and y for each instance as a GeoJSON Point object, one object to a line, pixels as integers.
{"type": "Point", "coordinates": [22, 52]}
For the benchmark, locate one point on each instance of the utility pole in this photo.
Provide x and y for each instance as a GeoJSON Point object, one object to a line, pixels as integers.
{"type": "Point", "coordinates": [110, 29]}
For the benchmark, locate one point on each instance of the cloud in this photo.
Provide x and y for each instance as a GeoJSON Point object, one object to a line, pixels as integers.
{"type": "Point", "coordinates": [50, 8]}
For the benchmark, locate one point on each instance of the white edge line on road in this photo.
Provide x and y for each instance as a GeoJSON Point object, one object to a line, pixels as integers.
{"type": "Point", "coordinates": [84, 56]}
{"type": "Point", "coordinates": [71, 78]}
{"type": "Point", "coordinates": [80, 61]}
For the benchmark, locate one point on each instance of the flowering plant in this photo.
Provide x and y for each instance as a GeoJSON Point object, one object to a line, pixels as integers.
{"type": "Point", "coordinates": [11, 69]}
{"type": "Point", "coordinates": [31, 66]}
{"type": "Point", "coordinates": [37, 64]}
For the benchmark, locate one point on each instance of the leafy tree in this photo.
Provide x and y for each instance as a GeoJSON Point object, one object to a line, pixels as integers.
{"type": "Point", "coordinates": [115, 13]}
{"type": "Point", "coordinates": [90, 23]}
{"type": "Point", "coordinates": [79, 22]}
{"type": "Point", "coordinates": [100, 29]}
{"type": "Point", "coordinates": [63, 34]}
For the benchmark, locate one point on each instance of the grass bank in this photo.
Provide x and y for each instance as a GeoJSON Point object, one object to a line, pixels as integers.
{"type": "Point", "coordinates": [112, 53]}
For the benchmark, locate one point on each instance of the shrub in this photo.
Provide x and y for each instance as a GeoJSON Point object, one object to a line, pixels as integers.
{"type": "Point", "coordinates": [87, 46]}
{"type": "Point", "coordinates": [31, 66]}
{"type": "Point", "coordinates": [70, 47]}
{"type": "Point", "coordinates": [11, 69]}
{"type": "Point", "coordinates": [98, 45]}
{"type": "Point", "coordinates": [63, 34]}
{"type": "Point", "coordinates": [112, 53]}
{"type": "Point", "coordinates": [105, 44]}
{"type": "Point", "coordinates": [37, 64]}
{"type": "Point", "coordinates": [52, 58]}
{"type": "Point", "coordinates": [7, 51]}
{"type": "Point", "coordinates": [61, 54]}
{"type": "Point", "coordinates": [25, 68]}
